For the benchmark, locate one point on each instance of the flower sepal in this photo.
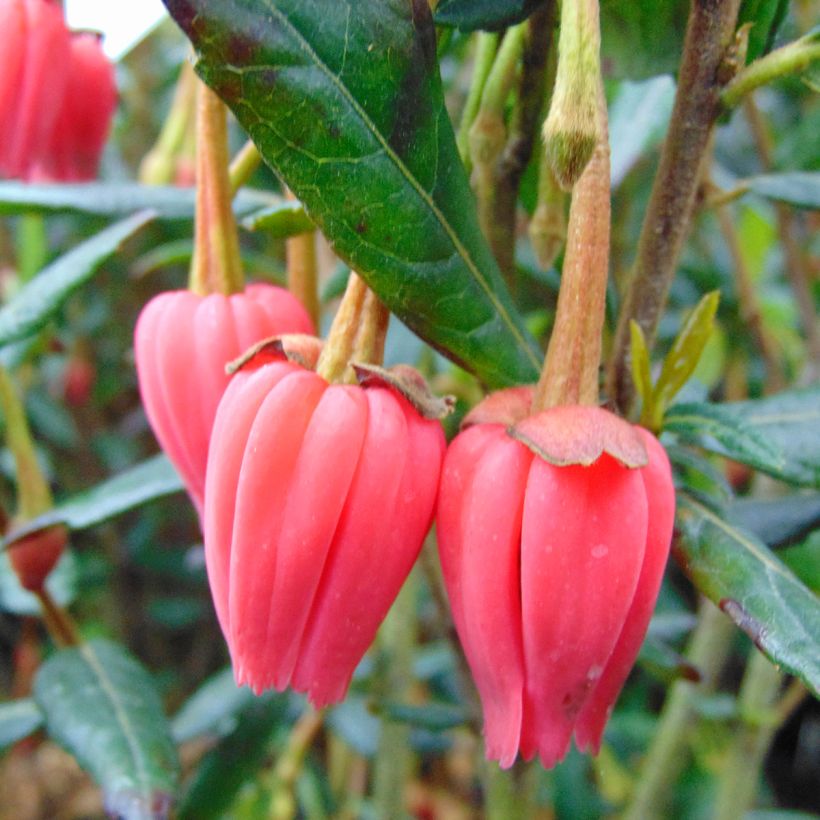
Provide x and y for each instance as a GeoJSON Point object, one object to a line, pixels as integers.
{"type": "Point", "coordinates": [409, 383]}
{"type": "Point", "coordinates": [299, 348]}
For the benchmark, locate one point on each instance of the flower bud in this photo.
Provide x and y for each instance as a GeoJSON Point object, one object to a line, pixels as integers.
{"type": "Point", "coordinates": [318, 498]}
{"type": "Point", "coordinates": [552, 563]}
{"type": "Point", "coordinates": [34, 555]}
{"type": "Point", "coordinates": [182, 344]}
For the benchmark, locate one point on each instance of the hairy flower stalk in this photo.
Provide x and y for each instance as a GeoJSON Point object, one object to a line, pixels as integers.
{"type": "Point", "coordinates": [319, 494]}
{"type": "Point", "coordinates": [184, 339]}
{"type": "Point", "coordinates": [555, 519]}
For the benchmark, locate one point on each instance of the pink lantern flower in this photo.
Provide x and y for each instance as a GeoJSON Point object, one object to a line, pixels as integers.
{"type": "Point", "coordinates": [182, 343]}
{"type": "Point", "coordinates": [553, 542]}
{"type": "Point", "coordinates": [73, 150]}
{"type": "Point", "coordinates": [33, 78]}
{"type": "Point", "coordinates": [318, 498]}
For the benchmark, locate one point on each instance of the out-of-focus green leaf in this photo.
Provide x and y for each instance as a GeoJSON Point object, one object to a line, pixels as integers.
{"type": "Point", "coordinates": [778, 520]}
{"type": "Point", "coordinates": [356, 725]}
{"type": "Point", "coordinates": [664, 663]}
{"type": "Point", "coordinates": [102, 706]}
{"type": "Point", "coordinates": [642, 38]}
{"type": "Point", "coordinates": [798, 188]}
{"type": "Point", "coordinates": [777, 434]}
{"type": "Point", "coordinates": [119, 199]}
{"type": "Point", "coordinates": [213, 706]}
{"type": "Point", "coordinates": [753, 587]}
{"type": "Point", "coordinates": [235, 760]}
{"type": "Point", "coordinates": [42, 296]}
{"type": "Point", "coordinates": [697, 473]}
{"type": "Point", "coordinates": [683, 356]}
{"type": "Point", "coordinates": [489, 15]}
{"type": "Point", "coordinates": [638, 116]}
{"type": "Point", "coordinates": [804, 561]}
{"type": "Point", "coordinates": [641, 375]}
{"type": "Point", "coordinates": [62, 583]}
{"type": "Point", "coordinates": [346, 104]}
{"type": "Point", "coordinates": [435, 717]}
{"type": "Point", "coordinates": [153, 478]}
{"type": "Point", "coordinates": [18, 719]}
{"type": "Point", "coordinates": [280, 221]}
{"type": "Point", "coordinates": [765, 17]}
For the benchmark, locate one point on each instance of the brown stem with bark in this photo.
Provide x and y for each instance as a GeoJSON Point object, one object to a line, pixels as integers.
{"type": "Point", "coordinates": [570, 374]}
{"type": "Point", "coordinates": [697, 106]}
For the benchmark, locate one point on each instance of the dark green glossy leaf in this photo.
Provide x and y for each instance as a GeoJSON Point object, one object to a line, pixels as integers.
{"type": "Point", "coordinates": [118, 199]}
{"type": "Point", "coordinates": [490, 15]}
{"type": "Point", "coordinates": [213, 706]}
{"type": "Point", "coordinates": [642, 38]}
{"type": "Point", "coordinates": [42, 297]}
{"type": "Point", "coordinates": [765, 17]}
{"type": "Point", "coordinates": [779, 520]}
{"type": "Point", "coordinates": [777, 434]}
{"type": "Point", "coordinates": [346, 104]}
{"type": "Point", "coordinates": [234, 761]}
{"type": "Point", "coordinates": [153, 478]}
{"type": "Point", "coordinates": [798, 188]}
{"type": "Point", "coordinates": [753, 587]}
{"type": "Point", "coordinates": [102, 706]}
{"type": "Point", "coordinates": [18, 719]}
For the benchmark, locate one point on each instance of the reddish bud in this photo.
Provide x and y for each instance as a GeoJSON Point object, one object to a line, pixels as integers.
{"type": "Point", "coordinates": [182, 343]}
{"type": "Point", "coordinates": [552, 573]}
{"type": "Point", "coordinates": [318, 499]}
{"type": "Point", "coordinates": [78, 380]}
{"type": "Point", "coordinates": [76, 141]}
{"type": "Point", "coordinates": [33, 80]}
{"type": "Point", "coordinates": [34, 555]}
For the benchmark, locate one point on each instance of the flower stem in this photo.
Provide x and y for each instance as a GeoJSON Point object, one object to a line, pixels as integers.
{"type": "Point", "coordinates": [300, 252]}
{"type": "Point", "coordinates": [709, 33]}
{"type": "Point", "coordinates": [793, 58]}
{"type": "Point", "coordinates": [486, 46]}
{"type": "Point", "coordinates": [570, 373]}
{"type": "Point", "coordinates": [667, 753]}
{"type": "Point", "coordinates": [243, 165]}
{"type": "Point", "coordinates": [334, 361]}
{"type": "Point", "coordinates": [59, 623]}
{"type": "Point", "coordinates": [216, 266]}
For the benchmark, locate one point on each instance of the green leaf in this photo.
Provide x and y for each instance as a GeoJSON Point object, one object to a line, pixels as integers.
{"type": "Point", "coordinates": [119, 199]}
{"type": "Point", "coordinates": [489, 15]}
{"type": "Point", "coordinates": [777, 521]}
{"type": "Point", "coordinates": [777, 434]}
{"type": "Point", "coordinates": [234, 761]}
{"type": "Point", "coordinates": [42, 296]}
{"type": "Point", "coordinates": [804, 561]}
{"type": "Point", "coordinates": [280, 221]}
{"type": "Point", "coordinates": [639, 356]}
{"type": "Point", "coordinates": [765, 17]}
{"type": "Point", "coordinates": [153, 478]}
{"type": "Point", "coordinates": [642, 38]}
{"type": "Point", "coordinates": [684, 355]}
{"type": "Point", "coordinates": [755, 589]}
{"type": "Point", "coordinates": [798, 188]}
{"type": "Point", "coordinates": [213, 706]}
{"type": "Point", "coordinates": [435, 717]}
{"type": "Point", "coordinates": [18, 719]}
{"type": "Point", "coordinates": [103, 707]}
{"type": "Point", "coordinates": [347, 107]}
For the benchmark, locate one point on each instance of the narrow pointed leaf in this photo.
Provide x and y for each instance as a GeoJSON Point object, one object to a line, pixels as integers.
{"type": "Point", "coordinates": [153, 478]}
{"type": "Point", "coordinates": [18, 719]}
{"type": "Point", "coordinates": [103, 707]}
{"type": "Point", "coordinates": [490, 15]}
{"type": "Point", "coordinates": [43, 295]}
{"type": "Point", "coordinates": [753, 587]}
{"type": "Point", "coordinates": [777, 434]}
{"type": "Point", "coordinates": [765, 17]}
{"type": "Point", "coordinates": [639, 356]}
{"type": "Point", "coordinates": [120, 199]}
{"type": "Point", "coordinates": [778, 521]}
{"type": "Point", "coordinates": [345, 102]}
{"type": "Point", "coordinates": [798, 188]}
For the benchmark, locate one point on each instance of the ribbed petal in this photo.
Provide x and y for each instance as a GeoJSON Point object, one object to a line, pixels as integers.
{"type": "Point", "coordinates": [286, 312]}
{"type": "Point", "coordinates": [583, 540]}
{"type": "Point", "coordinates": [315, 499]}
{"type": "Point", "coordinates": [268, 467]}
{"type": "Point", "coordinates": [378, 541]}
{"type": "Point", "coordinates": [660, 493]}
{"type": "Point", "coordinates": [483, 480]}
{"type": "Point", "coordinates": [238, 409]}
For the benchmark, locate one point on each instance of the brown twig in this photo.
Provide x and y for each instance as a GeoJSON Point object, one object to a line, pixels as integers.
{"type": "Point", "coordinates": [697, 106]}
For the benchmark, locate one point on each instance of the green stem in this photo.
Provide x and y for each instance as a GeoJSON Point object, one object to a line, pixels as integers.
{"type": "Point", "coordinates": [32, 245]}
{"type": "Point", "coordinates": [790, 59]}
{"type": "Point", "coordinates": [759, 722]}
{"type": "Point", "coordinates": [334, 361]}
{"type": "Point", "coordinates": [243, 165]}
{"type": "Point", "coordinates": [709, 32]}
{"type": "Point", "coordinates": [394, 761]}
{"type": "Point", "coordinates": [667, 753]}
{"type": "Point", "coordinates": [300, 252]}
{"type": "Point", "coordinates": [216, 266]}
{"type": "Point", "coordinates": [486, 46]}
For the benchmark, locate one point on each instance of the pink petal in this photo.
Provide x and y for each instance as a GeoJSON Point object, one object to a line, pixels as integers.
{"type": "Point", "coordinates": [660, 493]}
{"type": "Point", "coordinates": [583, 539]}
{"type": "Point", "coordinates": [285, 311]}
